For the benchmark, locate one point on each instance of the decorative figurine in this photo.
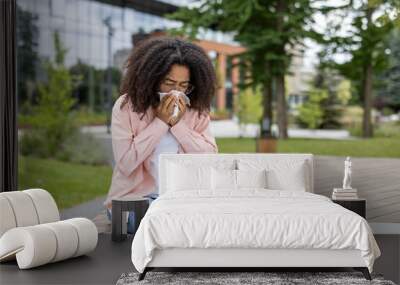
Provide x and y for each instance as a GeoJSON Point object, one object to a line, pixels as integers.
{"type": "Point", "coordinates": [347, 174]}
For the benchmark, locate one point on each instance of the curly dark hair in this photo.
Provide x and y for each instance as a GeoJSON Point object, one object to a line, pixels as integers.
{"type": "Point", "coordinates": [151, 60]}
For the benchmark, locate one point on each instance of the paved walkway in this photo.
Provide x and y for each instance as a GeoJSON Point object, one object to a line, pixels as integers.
{"type": "Point", "coordinates": [231, 128]}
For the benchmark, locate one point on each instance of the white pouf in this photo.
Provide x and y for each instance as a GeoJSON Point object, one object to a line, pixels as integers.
{"type": "Point", "coordinates": [31, 232]}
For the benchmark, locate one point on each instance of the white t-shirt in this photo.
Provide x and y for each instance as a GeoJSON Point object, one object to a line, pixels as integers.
{"type": "Point", "coordinates": [167, 144]}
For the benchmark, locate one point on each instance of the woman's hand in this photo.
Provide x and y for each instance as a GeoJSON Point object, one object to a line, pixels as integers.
{"type": "Point", "coordinates": [165, 109]}
{"type": "Point", "coordinates": [181, 112]}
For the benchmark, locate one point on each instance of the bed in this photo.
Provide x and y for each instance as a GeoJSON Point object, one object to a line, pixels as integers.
{"type": "Point", "coordinates": [247, 210]}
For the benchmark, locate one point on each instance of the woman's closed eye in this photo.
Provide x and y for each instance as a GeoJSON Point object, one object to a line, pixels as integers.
{"type": "Point", "coordinates": [171, 84]}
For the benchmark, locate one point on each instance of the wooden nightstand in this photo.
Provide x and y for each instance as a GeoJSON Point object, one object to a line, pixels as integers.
{"type": "Point", "coordinates": [119, 208]}
{"type": "Point", "coordinates": [358, 206]}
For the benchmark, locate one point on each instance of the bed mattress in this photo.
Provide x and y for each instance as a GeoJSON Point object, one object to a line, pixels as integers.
{"type": "Point", "coordinates": [250, 219]}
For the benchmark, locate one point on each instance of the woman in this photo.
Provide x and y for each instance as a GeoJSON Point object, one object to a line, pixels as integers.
{"type": "Point", "coordinates": [142, 126]}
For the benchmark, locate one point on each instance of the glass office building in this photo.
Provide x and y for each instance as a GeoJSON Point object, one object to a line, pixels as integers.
{"type": "Point", "coordinates": [83, 31]}
{"type": "Point", "coordinates": [82, 27]}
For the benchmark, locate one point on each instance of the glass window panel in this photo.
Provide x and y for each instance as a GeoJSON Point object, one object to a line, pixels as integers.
{"type": "Point", "coordinates": [43, 21]}
{"type": "Point", "coordinates": [97, 53]}
{"type": "Point", "coordinates": [26, 5]}
{"type": "Point", "coordinates": [57, 23]}
{"type": "Point", "coordinates": [130, 20]}
{"type": "Point", "coordinates": [123, 18]}
{"type": "Point", "coordinates": [84, 47]}
{"type": "Point", "coordinates": [42, 7]}
{"type": "Point", "coordinates": [117, 17]}
{"type": "Point", "coordinates": [71, 11]}
{"type": "Point", "coordinates": [58, 8]}
{"type": "Point", "coordinates": [84, 10]}
{"type": "Point", "coordinates": [118, 35]}
{"type": "Point", "coordinates": [70, 40]}
{"type": "Point", "coordinates": [45, 42]}
{"type": "Point", "coordinates": [95, 16]}
{"type": "Point", "coordinates": [72, 26]}
{"type": "Point", "coordinates": [85, 28]}
{"type": "Point", "coordinates": [100, 30]}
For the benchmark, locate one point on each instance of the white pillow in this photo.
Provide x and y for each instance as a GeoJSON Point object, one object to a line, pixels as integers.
{"type": "Point", "coordinates": [288, 176]}
{"type": "Point", "coordinates": [232, 179]}
{"type": "Point", "coordinates": [281, 174]}
{"type": "Point", "coordinates": [183, 177]}
{"type": "Point", "coordinates": [223, 179]}
{"type": "Point", "coordinates": [251, 178]}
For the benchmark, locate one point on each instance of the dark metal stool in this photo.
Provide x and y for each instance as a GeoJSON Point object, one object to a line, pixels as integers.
{"type": "Point", "coordinates": [118, 214]}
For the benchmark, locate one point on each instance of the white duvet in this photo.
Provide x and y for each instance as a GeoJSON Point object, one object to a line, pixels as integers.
{"type": "Point", "coordinates": [251, 218]}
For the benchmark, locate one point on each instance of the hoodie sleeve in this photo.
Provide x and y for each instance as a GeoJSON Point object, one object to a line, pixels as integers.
{"type": "Point", "coordinates": [196, 140]}
{"type": "Point", "coordinates": [130, 150]}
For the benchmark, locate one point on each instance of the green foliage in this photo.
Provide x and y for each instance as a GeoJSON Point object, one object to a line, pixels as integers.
{"type": "Point", "coordinates": [27, 43]}
{"type": "Point", "coordinates": [82, 148]}
{"type": "Point", "coordinates": [90, 85]}
{"type": "Point", "coordinates": [389, 80]}
{"type": "Point", "coordinates": [67, 182]}
{"type": "Point", "coordinates": [221, 113]}
{"type": "Point", "coordinates": [371, 21]}
{"type": "Point", "coordinates": [329, 80]}
{"type": "Point", "coordinates": [387, 111]}
{"type": "Point", "coordinates": [271, 31]}
{"type": "Point", "coordinates": [310, 113]}
{"type": "Point", "coordinates": [371, 24]}
{"type": "Point", "coordinates": [343, 92]}
{"type": "Point", "coordinates": [85, 117]}
{"type": "Point", "coordinates": [51, 121]}
{"type": "Point", "coordinates": [323, 108]}
{"type": "Point", "coordinates": [249, 106]}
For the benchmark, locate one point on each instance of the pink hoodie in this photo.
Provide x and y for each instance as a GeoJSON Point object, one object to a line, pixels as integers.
{"type": "Point", "coordinates": [134, 140]}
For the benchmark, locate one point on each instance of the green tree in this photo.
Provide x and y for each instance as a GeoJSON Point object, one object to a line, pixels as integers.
{"type": "Point", "coordinates": [328, 79]}
{"type": "Point", "coordinates": [344, 91]}
{"type": "Point", "coordinates": [89, 84]}
{"type": "Point", "coordinates": [51, 122]}
{"type": "Point", "coordinates": [372, 21]}
{"type": "Point", "coordinates": [388, 91]}
{"type": "Point", "coordinates": [249, 107]}
{"type": "Point", "coordinates": [271, 31]}
{"type": "Point", "coordinates": [311, 113]}
{"type": "Point", "coordinates": [27, 56]}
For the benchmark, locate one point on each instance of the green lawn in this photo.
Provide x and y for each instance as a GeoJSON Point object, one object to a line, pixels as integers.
{"type": "Point", "coordinates": [374, 147]}
{"type": "Point", "coordinates": [69, 183]}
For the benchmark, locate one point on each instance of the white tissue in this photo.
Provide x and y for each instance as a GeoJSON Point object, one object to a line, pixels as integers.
{"type": "Point", "coordinates": [176, 93]}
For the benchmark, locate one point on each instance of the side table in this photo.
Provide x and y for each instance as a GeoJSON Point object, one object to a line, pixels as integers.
{"type": "Point", "coordinates": [118, 214]}
{"type": "Point", "coordinates": [358, 206]}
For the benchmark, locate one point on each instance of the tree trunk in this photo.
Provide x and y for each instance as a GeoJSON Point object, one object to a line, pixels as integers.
{"type": "Point", "coordinates": [280, 78]}
{"type": "Point", "coordinates": [367, 101]}
{"type": "Point", "coordinates": [281, 106]}
{"type": "Point", "coordinates": [266, 120]}
{"type": "Point", "coordinates": [367, 88]}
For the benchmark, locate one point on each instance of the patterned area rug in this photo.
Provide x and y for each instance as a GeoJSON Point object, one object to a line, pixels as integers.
{"type": "Point", "coordinates": [275, 278]}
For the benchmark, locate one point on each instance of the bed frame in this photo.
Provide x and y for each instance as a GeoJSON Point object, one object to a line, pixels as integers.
{"type": "Point", "coordinates": [249, 258]}
{"type": "Point", "coordinates": [240, 259]}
